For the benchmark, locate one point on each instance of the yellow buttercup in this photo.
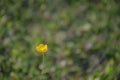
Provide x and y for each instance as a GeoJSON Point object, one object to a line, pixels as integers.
{"type": "Point", "coordinates": [42, 48]}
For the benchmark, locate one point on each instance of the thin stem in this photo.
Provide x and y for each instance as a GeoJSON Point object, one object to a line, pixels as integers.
{"type": "Point", "coordinates": [43, 63]}
{"type": "Point", "coordinates": [43, 59]}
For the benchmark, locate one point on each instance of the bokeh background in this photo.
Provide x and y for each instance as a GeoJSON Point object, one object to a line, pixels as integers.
{"type": "Point", "coordinates": [83, 37]}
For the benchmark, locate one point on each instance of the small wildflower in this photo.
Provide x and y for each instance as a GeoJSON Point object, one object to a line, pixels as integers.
{"type": "Point", "coordinates": [42, 48]}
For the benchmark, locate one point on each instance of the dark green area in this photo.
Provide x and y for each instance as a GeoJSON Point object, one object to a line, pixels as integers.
{"type": "Point", "coordinates": [83, 38]}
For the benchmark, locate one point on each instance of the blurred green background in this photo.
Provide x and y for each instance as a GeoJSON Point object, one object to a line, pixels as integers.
{"type": "Point", "coordinates": [83, 38]}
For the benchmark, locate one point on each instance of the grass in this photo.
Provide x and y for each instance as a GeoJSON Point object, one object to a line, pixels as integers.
{"type": "Point", "coordinates": [83, 39]}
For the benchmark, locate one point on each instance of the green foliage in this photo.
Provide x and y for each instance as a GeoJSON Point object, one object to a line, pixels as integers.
{"type": "Point", "coordinates": [83, 38]}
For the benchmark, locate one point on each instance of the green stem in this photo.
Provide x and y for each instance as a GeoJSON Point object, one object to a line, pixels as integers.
{"type": "Point", "coordinates": [43, 60]}
{"type": "Point", "coordinates": [43, 63]}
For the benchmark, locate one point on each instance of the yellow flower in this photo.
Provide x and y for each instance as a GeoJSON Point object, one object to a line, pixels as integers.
{"type": "Point", "coordinates": [42, 48]}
